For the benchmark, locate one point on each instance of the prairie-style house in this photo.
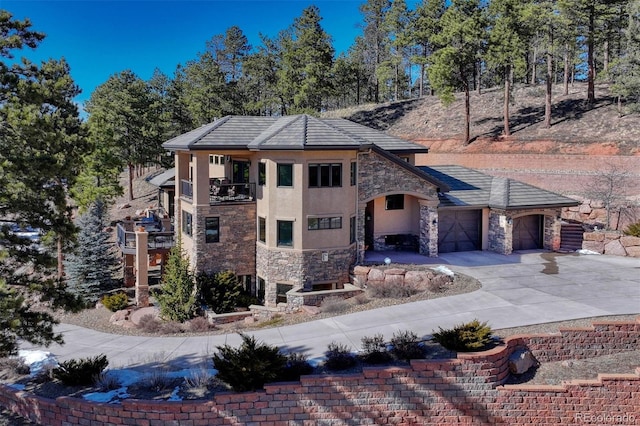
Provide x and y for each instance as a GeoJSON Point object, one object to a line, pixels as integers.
{"type": "Point", "coordinates": [296, 201]}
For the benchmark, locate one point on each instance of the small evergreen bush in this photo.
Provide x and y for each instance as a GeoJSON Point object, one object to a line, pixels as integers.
{"type": "Point", "coordinates": [221, 291]}
{"type": "Point", "coordinates": [469, 337]}
{"type": "Point", "coordinates": [334, 305]}
{"type": "Point", "coordinates": [633, 230]}
{"type": "Point", "coordinates": [374, 350]}
{"type": "Point", "coordinates": [177, 299]}
{"type": "Point", "coordinates": [115, 302]}
{"type": "Point", "coordinates": [296, 366]}
{"type": "Point", "coordinates": [77, 372]}
{"type": "Point", "coordinates": [250, 366]}
{"type": "Point", "coordinates": [339, 357]}
{"type": "Point", "coordinates": [405, 346]}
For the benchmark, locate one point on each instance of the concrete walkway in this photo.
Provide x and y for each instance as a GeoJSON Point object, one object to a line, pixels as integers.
{"type": "Point", "coordinates": [521, 289]}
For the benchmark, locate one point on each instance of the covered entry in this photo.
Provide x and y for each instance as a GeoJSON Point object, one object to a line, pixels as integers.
{"type": "Point", "coordinates": [459, 230]}
{"type": "Point", "coordinates": [528, 232]}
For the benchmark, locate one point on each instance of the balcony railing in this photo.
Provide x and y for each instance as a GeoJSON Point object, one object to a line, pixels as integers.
{"type": "Point", "coordinates": [186, 188]}
{"type": "Point", "coordinates": [156, 240]}
{"type": "Point", "coordinates": [231, 192]}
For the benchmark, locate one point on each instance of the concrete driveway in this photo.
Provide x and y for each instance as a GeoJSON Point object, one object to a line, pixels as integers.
{"type": "Point", "coordinates": [520, 289]}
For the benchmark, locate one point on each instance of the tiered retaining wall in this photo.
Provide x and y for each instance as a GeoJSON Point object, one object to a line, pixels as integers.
{"type": "Point", "coordinates": [466, 390]}
{"type": "Point", "coordinates": [611, 242]}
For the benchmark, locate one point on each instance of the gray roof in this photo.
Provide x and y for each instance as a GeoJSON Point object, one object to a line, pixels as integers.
{"type": "Point", "coordinates": [166, 178]}
{"type": "Point", "coordinates": [295, 132]}
{"type": "Point", "coordinates": [471, 188]}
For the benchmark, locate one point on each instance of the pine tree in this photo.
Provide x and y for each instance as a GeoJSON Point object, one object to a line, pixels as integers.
{"type": "Point", "coordinates": [220, 291]}
{"type": "Point", "coordinates": [177, 298]}
{"type": "Point", "coordinates": [91, 266]}
{"type": "Point", "coordinates": [625, 72]}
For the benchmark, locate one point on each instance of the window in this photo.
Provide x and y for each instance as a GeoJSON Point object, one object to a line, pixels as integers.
{"type": "Point", "coordinates": [262, 229]}
{"type": "Point", "coordinates": [352, 230]}
{"type": "Point", "coordinates": [316, 223]}
{"type": "Point", "coordinates": [285, 233]}
{"type": "Point", "coordinates": [325, 175]}
{"type": "Point", "coordinates": [211, 157]}
{"type": "Point", "coordinates": [260, 286]}
{"type": "Point", "coordinates": [212, 229]}
{"type": "Point", "coordinates": [354, 173]}
{"type": "Point", "coordinates": [281, 292]}
{"type": "Point", "coordinates": [262, 173]}
{"type": "Point", "coordinates": [221, 159]}
{"type": "Point", "coordinates": [187, 219]}
{"type": "Point", "coordinates": [285, 174]}
{"type": "Point", "coordinates": [394, 202]}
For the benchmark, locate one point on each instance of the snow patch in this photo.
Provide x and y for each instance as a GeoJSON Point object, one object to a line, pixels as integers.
{"type": "Point", "coordinates": [37, 360]}
{"type": "Point", "coordinates": [443, 270]}
{"type": "Point", "coordinates": [585, 251]}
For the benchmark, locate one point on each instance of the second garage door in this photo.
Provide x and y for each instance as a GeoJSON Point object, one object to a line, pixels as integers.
{"type": "Point", "coordinates": [527, 232]}
{"type": "Point", "coordinates": [459, 230]}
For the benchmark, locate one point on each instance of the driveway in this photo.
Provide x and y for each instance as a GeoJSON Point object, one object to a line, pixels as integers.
{"type": "Point", "coordinates": [520, 289]}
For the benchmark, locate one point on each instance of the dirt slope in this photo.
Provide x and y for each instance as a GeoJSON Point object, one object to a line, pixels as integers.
{"type": "Point", "coordinates": [577, 128]}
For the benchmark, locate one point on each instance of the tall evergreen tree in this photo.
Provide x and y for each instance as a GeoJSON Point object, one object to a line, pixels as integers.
{"type": "Point", "coordinates": [178, 295]}
{"type": "Point", "coordinates": [397, 26]}
{"type": "Point", "coordinates": [41, 143]}
{"type": "Point", "coordinates": [424, 26]}
{"type": "Point", "coordinates": [453, 65]}
{"type": "Point", "coordinates": [91, 266]}
{"type": "Point", "coordinates": [260, 77]}
{"type": "Point", "coordinates": [625, 72]}
{"type": "Point", "coordinates": [204, 89]}
{"type": "Point", "coordinates": [374, 41]}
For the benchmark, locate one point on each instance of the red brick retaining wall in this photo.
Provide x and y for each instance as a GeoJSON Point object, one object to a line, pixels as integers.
{"type": "Point", "coordinates": [466, 390]}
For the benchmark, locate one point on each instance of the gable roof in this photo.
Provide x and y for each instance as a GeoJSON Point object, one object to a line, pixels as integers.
{"type": "Point", "coordinates": [471, 188]}
{"type": "Point", "coordinates": [295, 132]}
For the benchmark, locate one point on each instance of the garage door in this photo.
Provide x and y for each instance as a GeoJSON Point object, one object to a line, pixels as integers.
{"type": "Point", "coordinates": [527, 232]}
{"type": "Point", "coordinates": [459, 230]}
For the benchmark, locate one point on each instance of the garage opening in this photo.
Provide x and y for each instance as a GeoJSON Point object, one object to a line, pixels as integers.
{"type": "Point", "coordinates": [528, 232]}
{"type": "Point", "coordinates": [459, 230]}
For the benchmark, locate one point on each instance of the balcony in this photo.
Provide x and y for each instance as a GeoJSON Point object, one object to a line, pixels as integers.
{"type": "Point", "coordinates": [158, 239]}
{"type": "Point", "coordinates": [222, 192]}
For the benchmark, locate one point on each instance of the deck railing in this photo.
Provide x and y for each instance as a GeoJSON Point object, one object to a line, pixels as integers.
{"type": "Point", "coordinates": [156, 240]}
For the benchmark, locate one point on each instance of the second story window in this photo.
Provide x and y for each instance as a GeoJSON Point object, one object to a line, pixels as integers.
{"type": "Point", "coordinates": [187, 226]}
{"type": "Point", "coordinates": [325, 175]}
{"type": "Point", "coordinates": [394, 202]}
{"type": "Point", "coordinates": [354, 173]}
{"type": "Point", "coordinates": [212, 230]}
{"type": "Point", "coordinates": [285, 233]}
{"type": "Point", "coordinates": [262, 229]}
{"type": "Point", "coordinates": [285, 174]}
{"type": "Point", "coordinates": [262, 173]}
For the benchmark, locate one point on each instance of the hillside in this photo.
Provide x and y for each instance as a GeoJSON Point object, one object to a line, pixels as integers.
{"type": "Point", "coordinates": [577, 128]}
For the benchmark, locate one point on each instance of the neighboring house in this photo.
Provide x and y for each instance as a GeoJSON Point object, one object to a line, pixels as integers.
{"type": "Point", "coordinates": [295, 201]}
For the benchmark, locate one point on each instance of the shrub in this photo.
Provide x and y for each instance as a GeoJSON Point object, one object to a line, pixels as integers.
{"type": "Point", "coordinates": [296, 366]}
{"type": "Point", "coordinates": [106, 382]}
{"type": "Point", "coordinates": [12, 368]}
{"type": "Point", "coordinates": [157, 380]}
{"type": "Point", "coordinates": [361, 299]}
{"type": "Point", "coordinates": [170, 327]}
{"type": "Point", "coordinates": [83, 371]}
{"type": "Point", "coordinates": [115, 302]}
{"type": "Point", "coordinates": [633, 230]}
{"type": "Point", "coordinates": [149, 323]}
{"type": "Point", "coordinates": [469, 337]}
{"type": "Point", "coordinates": [333, 305]}
{"type": "Point", "coordinates": [387, 290]}
{"type": "Point", "coordinates": [220, 291]}
{"type": "Point", "coordinates": [339, 357]}
{"type": "Point", "coordinates": [405, 346]}
{"type": "Point", "coordinates": [177, 299]}
{"type": "Point", "coordinates": [200, 324]}
{"type": "Point", "coordinates": [198, 378]}
{"type": "Point", "coordinates": [374, 350]}
{"type": "Point", "coordinates": [250, 366]}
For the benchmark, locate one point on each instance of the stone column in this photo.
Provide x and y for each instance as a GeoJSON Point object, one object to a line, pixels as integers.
{"type": "Point", "coordinates": [360, 231]}
{"type": "Point", "coordinates": [142, 268]}
{"type": "Point", "coordinates": [429, 227]}
{"type": "Point", "coordinates": [500, 232]}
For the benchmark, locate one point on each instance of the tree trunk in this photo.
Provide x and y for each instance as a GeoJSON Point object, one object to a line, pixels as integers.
{"type": "Point", "coordinates": [507, 96]}
{"type": "Point", "coordinates": [534, 68]}
{"type": "Point", "coordinates": [605, 57]}
{"type": "Point", "coordinates": [478, 77]}
{"type": "Point", "coordinates": [467, 114]}
{"type": "Point", "coordinates": [591, 71]}
{"type": "Point", "coordinates": [131, 170]}
{"type": "Point", "coordinates": [422, 67]}
{"type": "Point", "coordinates": [547, 97]}
{"type": "Point", "coordinates": [566, 70]}
{"type": "Point", "coordinates": [60, 259]}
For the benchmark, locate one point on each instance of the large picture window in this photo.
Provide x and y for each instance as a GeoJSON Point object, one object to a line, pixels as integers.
{"type": "Point", "coordinates": [285, 174]}
{"type": "Point", "coordinates": [187, 225]}
{"type": "Point", "coordinates": [316, 223]}
{"type": "Point", "coordinates": [285, 233]}
{"type": "Point", "coordinates": [325, 175]}
{"type": "Point", "coordinates": [394, 202]}
{"type": "Point", "coordinates": [212, 229]}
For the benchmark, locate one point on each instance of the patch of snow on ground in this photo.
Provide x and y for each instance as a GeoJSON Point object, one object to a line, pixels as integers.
{"type": "Point", "coordinates": [444, 270]}
{"type": "Point", "coordinates": [37, 360]}
{"type": "Point", "coordinates": [584, 251]}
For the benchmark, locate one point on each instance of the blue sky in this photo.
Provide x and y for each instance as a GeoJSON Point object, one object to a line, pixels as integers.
{"type": "Point", "coordinates": [101, 37]}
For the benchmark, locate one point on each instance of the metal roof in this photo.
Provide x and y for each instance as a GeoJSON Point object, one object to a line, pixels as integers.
{"type": "Point", "coordinates": [296, 132]}
{"type": "Point", "coordinates": [471, 188]}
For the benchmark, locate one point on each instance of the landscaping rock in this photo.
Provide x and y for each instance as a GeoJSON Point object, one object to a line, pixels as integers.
{"type": "Point", "coordinates": [596, 246]}
{"type": "Point", "coordinates": [633, 251]}
{"type": "Point", "coordinates": [375, 275]}
{"type": "Point", "coordinates": [615, 248]}
{"type": "Point", "coordinates": [629, 241]}
{"type": "Point", "coordinates": [521, 361]}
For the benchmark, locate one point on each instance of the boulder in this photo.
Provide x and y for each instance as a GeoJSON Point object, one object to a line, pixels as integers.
{"type": "Point", "coordinates": [394, 280]}
{"type": "Point", "coordinates": [375, 275]}
{"type": "Point", "coordinates": [633, 251]}
{"type": "Point", "coordinates": [629, 241]}
{"type": "Point", "coordinates": [596, 246]}
{"type": "Point", "coordinates": [593, 236]}
{"type": "Point", "coordinates": [418, 279]}
{"type": "Point", "coordinates": [615, 248]}
{"type": "Point", "coordinates": [361, 270]}
{"type": "Point", "coordinates": [395, 271]}
{"type": "Point", "coordinates": [521, 361]}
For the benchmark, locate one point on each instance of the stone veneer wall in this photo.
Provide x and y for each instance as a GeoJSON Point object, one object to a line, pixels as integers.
{"type": "Point", "coordinates": [501, 229]}
{"type": "Point", "coordinates": [236, 250]}
{"type": "Point", "coordinates": [611, 242]}
{"type": "Point", "coordinates": [466, 390]}
{"type": "Point", "coordinates": [301, 268]}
